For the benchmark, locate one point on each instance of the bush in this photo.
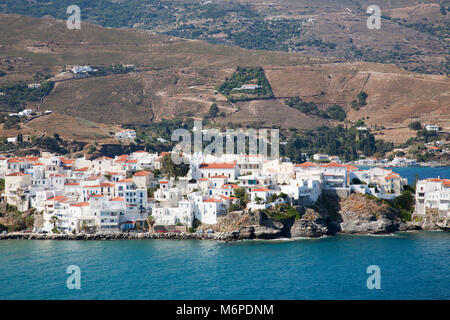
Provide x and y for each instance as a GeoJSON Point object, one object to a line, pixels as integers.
{"type": "Point", "coordinates": [336, 112]}
{"type": "Point", "coordinates": [415, 125]}
{"type": "Point", "coordinates": [281, 212]}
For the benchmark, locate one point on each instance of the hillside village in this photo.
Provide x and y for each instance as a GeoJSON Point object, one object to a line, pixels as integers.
{"type": "Point", "coordinates": [133, 191]}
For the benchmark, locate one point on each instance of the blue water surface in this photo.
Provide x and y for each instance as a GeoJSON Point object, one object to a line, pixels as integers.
{"type": "Point", "coordinates": [413, 266]}
{"type": "Point", "coordinates": [422, 172]}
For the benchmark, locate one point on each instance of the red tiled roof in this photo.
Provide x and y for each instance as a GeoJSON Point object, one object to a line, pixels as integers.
{"type": "Point", "coordinates": [306, 164]}
{"type": "Point", "coordinates": [56, 175]}
{"type": "Point", "coordinates": [260, 190]}
{"type": "Point", "coordinates": [82, 169]}
{"type": "Point", "coordinates": [38, 164]}
{"type": "Point", "coordinates": [332, 165]}
{"type": "Point", "coordinates": [338, 165]}
{"type": "Point", "coordinates": [57, 198]}
{"type": "Point", "coordinates": [218, 165]}
{"type": "Point", "coordinates": [126, 180]}
{"type": "Point", "coordinates": [80, 204]}
{"type": "Point", "coordinates": [15, 160]}
{"type": "Point", "coordinates": [118, 199]}
{"type": "Point", "coordinates": [212, 200]}
{"type": "Point", "coordinates": [229, 185]}
{"type": "Point", "coordinates": [142, 173]}
{"type": "Point", "coordinates": [107, 184]}
{"type": "Point", "coordinates": [163, 182]}
{"type": "Point", "coordinates": [95, 195]}
{"type": "Point", "coordinates": [72, 184]}
{"type": "Point", "coordinates": [16, 174]}
{"type": "Point", "coordinates": [68, 161]}
{"type": "Point", "coordinates": [228, 198]}
{"type": "Point", "coordinates": [392, 176]}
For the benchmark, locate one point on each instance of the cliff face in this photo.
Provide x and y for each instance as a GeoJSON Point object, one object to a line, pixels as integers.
{"type": "Point", "coordinates": [315, 222]}
{"type": "Point", "coordinates": [360, 214]}
{"type": "Point", "coordinates": [433, 220]}
{"type": "Point", "coordinates": [356, 214]}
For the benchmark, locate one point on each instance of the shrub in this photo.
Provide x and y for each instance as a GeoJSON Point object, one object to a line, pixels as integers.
{"type": "Point", "coordinates": [415, 125]}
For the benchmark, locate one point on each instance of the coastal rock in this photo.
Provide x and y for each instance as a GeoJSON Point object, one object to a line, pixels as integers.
{"type": "Point", "coordinates": [306, 228]}
{"type": "Point", "coordinates": [410, 226]}
{"type": "Point", "coordinates": [262, 232]}
{"type": "Point", "coordinates": [317, 220]}
{"type": "Point", "coordinates": [363, 215]}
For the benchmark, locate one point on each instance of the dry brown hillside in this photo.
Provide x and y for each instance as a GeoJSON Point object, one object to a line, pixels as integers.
{"type": "Point", "coordinates": [177, 78]}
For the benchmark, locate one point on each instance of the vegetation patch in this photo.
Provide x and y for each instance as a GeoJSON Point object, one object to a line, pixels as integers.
{"type": "Point", "coordinates": [281, 212]}
{"type": "Point", "coordinates": [347, 143]}
{"type": "Point", "coordinates": [14, 97]}
{"type": "Point", "coordinates": [246, 84]}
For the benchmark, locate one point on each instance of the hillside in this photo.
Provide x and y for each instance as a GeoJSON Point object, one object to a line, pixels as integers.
{"type": "Point", "coordinates": [414, 33]}
{"type": "Point", "coordinates": [177, 78]}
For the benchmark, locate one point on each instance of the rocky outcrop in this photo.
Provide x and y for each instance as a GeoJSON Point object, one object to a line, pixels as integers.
{"type": "Point", "coordinates": [362, 215]}
{"type": "Point", "coordinates": [315, 222]}
{"type": "Point", "coordinates": [434, 220]}
{"type": "Point", "coordinates": [230, 236]}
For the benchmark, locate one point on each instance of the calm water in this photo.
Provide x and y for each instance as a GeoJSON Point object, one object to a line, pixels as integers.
{"type": "Point", "coordinates": [413, 266]}
{"type": "Point", "coordinates": [423, 172]}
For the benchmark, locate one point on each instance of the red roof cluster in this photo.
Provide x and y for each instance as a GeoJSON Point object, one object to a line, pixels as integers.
{"type": "Point", "coordinates": [218, 165]}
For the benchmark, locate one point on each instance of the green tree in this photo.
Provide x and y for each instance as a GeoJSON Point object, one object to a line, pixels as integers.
{"type": "Point", "coordinates": [415, 125]}
{"type": "Point", "coordinates": [150, 222]}
{"type": "Point", "coordinates": [54, 220]}
{"type": "Point", "coordinates": [213, 111]}
{"type": "Point", "coordinates": [169, 168]}
{"type": "Point", "coordinates": [242, 195]}
{"type": "Point", "coordinates": [19, 138]}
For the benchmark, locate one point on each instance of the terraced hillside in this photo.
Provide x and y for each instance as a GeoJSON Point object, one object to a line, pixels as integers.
{"type": "Point", "coordinates": [177, 78]}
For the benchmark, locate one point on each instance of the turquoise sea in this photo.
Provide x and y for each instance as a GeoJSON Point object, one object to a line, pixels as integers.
{"type": "Point", "coordinates": [412, 266]}
{"type": "Point", "coordinates": [423, 172]}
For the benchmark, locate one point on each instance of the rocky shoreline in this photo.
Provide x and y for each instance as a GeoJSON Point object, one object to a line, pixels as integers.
{"type": "Point", "coordinates": [300, 230]}
{"type": "Point", "coordinates": [355, 214]}
{"type": "Point", "coordinates": [121, 236]}
{"type": "Point", "coordinates": [247, 233]}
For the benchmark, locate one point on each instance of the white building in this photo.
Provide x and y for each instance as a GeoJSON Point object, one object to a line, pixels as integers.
{"type": "Point", "coordinates": [227, 169]}
{"type": "Point", "coordinates": [431, 127]}
{"type": "Point", "coordinates": [433, 194]}
{"type": "Point", "coordinates": [321, 157]}
{"type": "Point", "coordinates": [128, 134]}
